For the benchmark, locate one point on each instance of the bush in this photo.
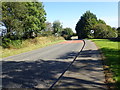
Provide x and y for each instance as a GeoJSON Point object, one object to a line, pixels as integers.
{"type": "Point", "coordinates": [104, 31]}
{"type": "Point", "coordinates": [6, 42]}
{"type": "Point", "coordinates": [67, 37]}
{"type": "Point", "coordinates": [16, 44]}
{"type": "Point", "coordinates": [67, 33]}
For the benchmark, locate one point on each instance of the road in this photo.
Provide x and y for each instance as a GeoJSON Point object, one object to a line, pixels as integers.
{"type": "Point", "coordinates": [39, 68]}
{"type": "Point", "coordinates": [86, 72]}
{"type": "Point", "coordinates": [42, 67]}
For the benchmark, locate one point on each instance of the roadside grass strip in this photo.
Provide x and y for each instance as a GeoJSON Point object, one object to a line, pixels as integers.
{"type": "Point", "coordinates": [111, 52]}
{"type": "Point", "coordinates": [30, 44]}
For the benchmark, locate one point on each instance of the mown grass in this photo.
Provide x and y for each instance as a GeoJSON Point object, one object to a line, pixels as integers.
{"type": "Point", "coordinates": [111, 51]}
{"type": "Point", "coordinates": [29, 45]}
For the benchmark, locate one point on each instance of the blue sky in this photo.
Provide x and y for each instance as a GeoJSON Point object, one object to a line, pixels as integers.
{"type": "Point", "coordinates": [68, 13]}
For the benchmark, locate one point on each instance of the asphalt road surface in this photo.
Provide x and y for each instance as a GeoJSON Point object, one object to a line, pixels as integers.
{"type": "Point", "coordinates": [86, 72]}
{"type": "Point", "coordinates": [39, 68]}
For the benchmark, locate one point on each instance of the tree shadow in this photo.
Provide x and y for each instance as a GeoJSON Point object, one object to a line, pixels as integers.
{"type": "Point", "coordinates": [43, 73]}
{"type": "Point", "coordinates": [28, 74]}
{"type": "Point", "coordinates": [80, 84]}
{"type": "Point", "coordinates": [112, 55]}
{"type": "Point", "coordinates": [90, 68]}
{"type": "Point", "coordinates": [113, 60]}
{"type": "Point", "coordinates": [69, 55]}
{"type": "Point", "coordinates": [114, 39]}
{"type": "Point", "coordinates": [90, 53]}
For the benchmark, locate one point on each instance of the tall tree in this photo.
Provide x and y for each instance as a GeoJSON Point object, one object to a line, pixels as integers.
{"type": "Point", "coordinates": [13, 14]}
{"type": "Point", "coordinates": [23, 16]}
{"type": "Point", "coordinates": [88, 22]}
{"type": "Point", "coordinates": [101, 21]}
{"type": "Point", "coordinates": [48, 26]}
{"type": "Point", "coordinates": [85, 24]}
{"type": "Point", "coordinates": [57, 27]}
{"type": "Point", "coordinates": [35, 17]}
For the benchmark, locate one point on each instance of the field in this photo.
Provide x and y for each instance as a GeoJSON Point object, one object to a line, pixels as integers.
{"type": "Point", "coordinates": [111, 52]}
{"type": "Point", "coordinates": [29, 44]}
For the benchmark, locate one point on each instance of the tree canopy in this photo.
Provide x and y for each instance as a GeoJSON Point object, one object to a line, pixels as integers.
{"type": "Point", "coordinates": [88, 22]}
{"type": "Point", "coordinates": [67, 33]}
{"type": "Point", "coordinates": [85, 24]}
{"type": "Point", "coordinates": [118, 30]}
{"type": "Point", "coordinates": [23, 16]}
{"type": "Point", "coordinates": [57, 27]}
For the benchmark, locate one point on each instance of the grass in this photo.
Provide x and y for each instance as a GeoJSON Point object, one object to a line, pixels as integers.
{"type": "Point", "coordinates": [111, 52]}
{"type": "Point", "coordinates": [29, 45]}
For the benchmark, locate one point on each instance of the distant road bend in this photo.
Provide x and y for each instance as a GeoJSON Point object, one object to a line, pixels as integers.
{"type": "Point", "coordinates": [39, 68]}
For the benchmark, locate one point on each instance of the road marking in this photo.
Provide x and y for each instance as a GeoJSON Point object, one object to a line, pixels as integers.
{"type": "Point", "coordinates": [68, 65]}
{"type": "Point", "coordinates": [72, 41]}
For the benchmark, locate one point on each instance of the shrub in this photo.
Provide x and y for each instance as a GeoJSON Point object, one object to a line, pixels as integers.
{"type": "Point", "coordinates": [16, 44]}
{"type": "Point", "coordinates": [6, 42]}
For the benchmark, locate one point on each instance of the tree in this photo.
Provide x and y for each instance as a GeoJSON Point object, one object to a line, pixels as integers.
{"type": "Point", "coordinates": [104, 31]}
{"type": "Point", "coordinates": [57, 27]}
{"type": "Point", "coordinates": [100, 31]}
{"type": "Point", "coordinates": [118, 30]}
{"type": "Point", "coordinates": [101, 21]}
{"type": "Point", "coordinates": [112, 32]}
{"type": "Point", "coordinates": [12, 15]}
{"type": "Point", "coordinates": [35, 17]}
{"type": "Point", "coordinates": [48, 26]}
{"type": "Point", "coordinates": [85, 24]}
{"type": "Point", "coordinates": [23, 17]}
{"type": "Point", "coordinates": [89, 22]}
{"type": "Point", "coordinates": [67, 33]}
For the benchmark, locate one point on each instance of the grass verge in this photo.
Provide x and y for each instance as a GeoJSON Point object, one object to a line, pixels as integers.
{"type": "Point", "coordinates": [30, 44]}
{"type": "Point", "coordinates": [111, 52]}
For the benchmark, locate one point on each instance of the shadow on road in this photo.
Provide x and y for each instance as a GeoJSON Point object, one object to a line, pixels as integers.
{"type": "Point", "coordinates": [81, 84]}
{"type": "Point", "coordinates": [85, 73]}
{"type": "Point", "coordinates": [69, 55]}
{"type": "Point", "coordinates": [29, 74]}
{"type": "Point", "coordinates": [42, 73]}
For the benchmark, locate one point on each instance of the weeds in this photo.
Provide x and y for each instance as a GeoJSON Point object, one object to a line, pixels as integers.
{"type": "Point", "coordinates": [18, 46]}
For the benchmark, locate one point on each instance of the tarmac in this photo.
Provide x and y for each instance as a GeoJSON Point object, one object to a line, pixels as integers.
{"type": "Point", "coordinates": [42, 67]}
{"type": "Point", "coordinates": [86, 72]}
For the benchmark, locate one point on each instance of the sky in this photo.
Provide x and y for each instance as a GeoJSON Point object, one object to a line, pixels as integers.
{"type": "Point", "coordinates": [68, 13]}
